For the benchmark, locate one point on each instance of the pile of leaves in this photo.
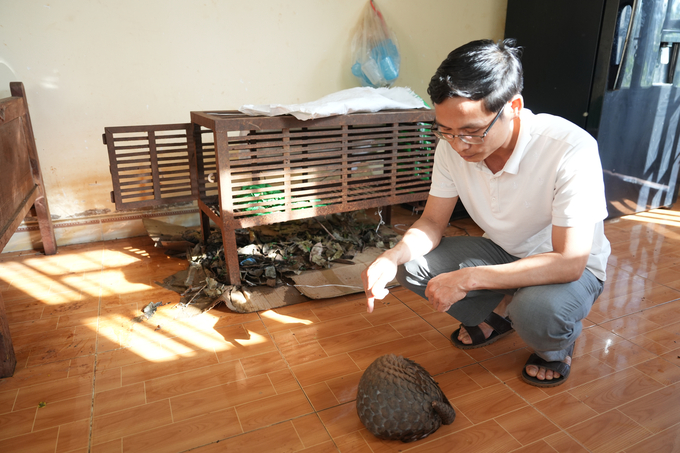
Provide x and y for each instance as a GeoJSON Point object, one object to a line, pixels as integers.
{"type": "Point", "coordinates": [270, 254]}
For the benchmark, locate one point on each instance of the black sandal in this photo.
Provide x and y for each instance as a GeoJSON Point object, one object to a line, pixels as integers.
{"type": "Point", "coordinates": [559, 367]}
{"type": "Point", "coordinates": [501, 327]}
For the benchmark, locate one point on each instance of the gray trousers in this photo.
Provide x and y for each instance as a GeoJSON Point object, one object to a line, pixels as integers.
{"type": "Point", "coordinates": [547, 317]}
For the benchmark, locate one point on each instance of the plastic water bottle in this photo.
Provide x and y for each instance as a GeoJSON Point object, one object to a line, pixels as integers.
{"type": "Point", "coordinates": [387, 55]}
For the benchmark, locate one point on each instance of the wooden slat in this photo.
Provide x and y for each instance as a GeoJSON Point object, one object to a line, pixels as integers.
{"type": "Point", "coordinates": [159, 155]}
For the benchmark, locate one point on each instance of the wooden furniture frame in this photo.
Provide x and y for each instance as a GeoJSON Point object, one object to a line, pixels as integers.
{"type": "Point", "coordinates": [264, 170]}
{"type": "Point", "coordinates": [21, 190]}
{"type": "Point", "coordinates": [252, 170]}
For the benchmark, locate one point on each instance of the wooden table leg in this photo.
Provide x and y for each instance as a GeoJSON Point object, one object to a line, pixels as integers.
{"type": "Point", "coordinates": [8, 360]}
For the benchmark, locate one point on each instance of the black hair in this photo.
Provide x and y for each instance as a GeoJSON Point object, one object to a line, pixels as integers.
{"type": "Point", "coordinates": [480, 70]}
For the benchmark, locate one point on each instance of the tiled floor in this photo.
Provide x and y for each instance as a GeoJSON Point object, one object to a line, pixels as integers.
{"type": "Point", "coordinates": [90, 379]}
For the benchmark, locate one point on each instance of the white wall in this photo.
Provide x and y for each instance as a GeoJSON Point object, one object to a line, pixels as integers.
{"type": "Point", "coordinates": [89, 64]}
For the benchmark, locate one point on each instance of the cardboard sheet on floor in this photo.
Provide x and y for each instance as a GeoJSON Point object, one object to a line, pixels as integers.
{"type": "Point", "coordinates": [169, 236]}
{"type": "Point", "coordinates": [339, 280]}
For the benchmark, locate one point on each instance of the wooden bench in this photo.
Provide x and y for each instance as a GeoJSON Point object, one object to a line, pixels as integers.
{"type": "Point", "coordinates": [21, 190]}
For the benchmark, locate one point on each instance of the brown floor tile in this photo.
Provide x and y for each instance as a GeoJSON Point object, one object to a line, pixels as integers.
{"type": "Point", "coordinates": [509, 344]}
{"type": "Point", "coordinates": [45, 440]}
{"type": "Point", "coordinates": [352, 443]}
{"type": "Point", "coordinates": [283, 381]}
{"type": "Point", "coordinates": [436, 339]}
{"type": "Point", "coordinates": [73, 436]}
{"type": "Point", "coordinates": [527, 425]}
{"type": "Point", "coordinates": [263, 363]}
{"type": "Point", "coordinates": [358, 339]}
{"type": "Point", "coordinates": [390, 314]}
{"type": "Point", "coordinates": [16, 423]}
{"type": "Point", "coordinates": [507, 366]}
{"type": "Point", "coordinates": [7, 400]}
{"type": "Point", "coordinates": [565, 410]}
{"type": "Point", "coordinates": [440, 320]}
{"type": "Point", "coordinates": [564, 443]}
{"type": "Point", "coordinates": [119, 399]}
{"type": "Point", "coordinates": [192, 380]}
{"type": "Point", "coordinates": [416, 303]}
{"type": "Point", "coordinates": [311, 430]}
{"type": "Point", "coordinates": [605, 394]}
{"type": "Point", "coordinates": [622, 355]}
{"type": "Point", "coordinates": [660, 370]}
{"type": "Point", "coordinates": [273, 409]}
{"type": "Point", "coordinates": [29, 314]}
{"type": "Point", "coordinates": [340, 309]}
{"type": "Point", "coordinates": [621, 283]}
{"type": "Point", "coordinates": [334, 327]}
{"type": "Point", "coordinates": [54, 391]}
{"type": "Point", "coordinates": [594, 339]}
{"type": "Point", "coordinates": [442, 360]}
{"type": "Point", "coordinates": [62, 412]}
{"type": "Point", "coordinates": [412, 326]}
{"type": "Point", "coordinates": [298, 354]}
{"type": "Point", "coordinates": [321, 396]}
{"type": "Point", "coordinates": [609, 432]}
{"type": "Point", "coordinates": [130, 421]}
{"type": "Point", "coordinates": [482, 437]}
{"type": "Point", "coordinates": [278, 438]}
{"type": "Point", "coordinates": [649, 345]}
{"type": "Point", "coordinates": [665, 441]}
{"type": "Point", "coordinates": [345, 388]}
{"type": "Point", "coordinates": [214, 399]}
{"type": "Point", "coordinates": [115, 446]}
{"type": "Point", "coordinates": [54, 353]}
{"type": "Point", "coordinates": [406, 347]}
{"type": "Point", "coordinates": [186, 434]}
{"type": "Point", "coordinates": [341, 420]}
{"type": "Point", "coordinates": [667, 336]}
{"type": "Point", "coordinates": [324, 369]}
{"type": "Point", "coordinates": [81, 365]}
{"type": "Point", "coordinates": [663, 314]}
{"type": "Point", "coordinates": [487, 403]}
{"type": "Point", "coordinates": [276, 322]}
{"type": "Point", "coordinates": [285, 339]}
{"type": "Point", "coordinates": [107, 379]}
{"type": "Point", "coordinates": [537, 447]}
{"type": "Point", "coordinates": [144, 371]}
{"type": "Point", "coordinates": [244, 340]}
{"type": "Point", "coordinates": [480, 375]}
{"type": "Point", "coordinates": [326, 447]}
{"type": "Point", "coordinates": [656, 411]}
{"type": "Point", "coordinates": [630, 326]}
{"type": "Point", "coordinates": [40, 325]}
{"type": "Point", "coordinates": [530, 393]}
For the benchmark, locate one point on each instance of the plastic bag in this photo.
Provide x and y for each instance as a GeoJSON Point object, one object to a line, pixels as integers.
{"type": "Point", "coordinates": [375, 51]}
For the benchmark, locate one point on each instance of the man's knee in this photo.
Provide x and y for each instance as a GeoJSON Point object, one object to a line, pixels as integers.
{"type": "Point", "coordinates": [545, 321]}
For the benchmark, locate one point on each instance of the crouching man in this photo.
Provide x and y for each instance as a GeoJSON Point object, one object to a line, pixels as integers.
{"type": "Point", "coordinates": [534, 184]}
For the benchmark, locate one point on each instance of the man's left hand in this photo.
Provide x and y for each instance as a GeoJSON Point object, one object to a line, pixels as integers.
{"type": "Point", "coordinates": [446, 289]}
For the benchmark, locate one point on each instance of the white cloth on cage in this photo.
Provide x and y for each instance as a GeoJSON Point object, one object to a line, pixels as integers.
{"type": "Point", "coordinates": [360, 99]}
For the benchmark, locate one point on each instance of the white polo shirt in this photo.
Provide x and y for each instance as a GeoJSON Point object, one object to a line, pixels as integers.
{"type": "Point", "coordinates": [553, 177]}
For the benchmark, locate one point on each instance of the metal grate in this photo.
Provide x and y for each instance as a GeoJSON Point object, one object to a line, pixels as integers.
{"type": "Point", "coordinates": [150, 165]}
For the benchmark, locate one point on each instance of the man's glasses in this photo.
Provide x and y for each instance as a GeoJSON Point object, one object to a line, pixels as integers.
{"type": "Point", "coordinates": [469, 139]}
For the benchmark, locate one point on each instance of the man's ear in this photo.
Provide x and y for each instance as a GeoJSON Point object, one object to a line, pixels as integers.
{"type": "Point", "coordinates": [517, 104]}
